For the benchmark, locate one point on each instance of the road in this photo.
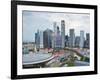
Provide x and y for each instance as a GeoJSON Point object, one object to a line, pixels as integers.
{"type": "Point", "coordinates": [81, 63]}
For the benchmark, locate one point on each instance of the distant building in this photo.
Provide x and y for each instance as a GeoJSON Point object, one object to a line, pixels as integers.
{"type": "Point", "coordinates": [25, 50]}
{"type": "Point", "coordinates": [87, 41]}
{"type": "Point", "coordinates": [28, 46]}
{"type": "Point", "coordinates": [58, 41]}
{"type": "Point", "coordinates": [54, 35]}
{"type": "Point", "coordinates": [63, 33]}
{"type": "Point", "coordinates": [47, 38]}
{"type": "Point", "coordinates": [41, 39]}
{"type": "Point", "coordinates": [82, 39]}
{"type": "Point", "coordinates": [37, 39]}
{"type": "Point", "coordinates": [67, 41]}
{"type": "Point", "coordinates": [77, 41]}
{"type": "Point", "coordinates": [53, 40]}
{"type": "Point", "coordinates": [72, 38]}
{"type": "Point", "coordinates": [55, 28]}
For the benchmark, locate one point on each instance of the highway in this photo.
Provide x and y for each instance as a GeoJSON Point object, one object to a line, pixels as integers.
{"type": "Point", "coordinates": [81, 63]}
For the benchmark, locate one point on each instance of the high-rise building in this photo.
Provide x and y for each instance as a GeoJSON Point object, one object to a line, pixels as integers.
{"type": "Point", "coordinates": [37, 39]}
{"type": "Point", "coordinates": [55, 28]}
{"type": "Point", "coordinates": [77, 41]}
{"type": "Point", "coordinates": [87, 41]}
{"type": "Point", "coordinates": [47, 38]}
{"type": "Point", "coordinates": [58, 41]}
{"type": "Point", "coordinates": [54, 35]}
{"type": "Point", "coordinates": [63, 33]}
{"type": "Point", "coordinates": [81, 39]}
{"type": "Point", "coordinates": [72, 38]}
{"type": "Point", "coordinates": [53, 40]}
{"type": "Point", "coordinates": [41, 39]}
{"type": "Point", "coordinates": [67, 41]}
{"type": "Point", "coordinates": [58, 31]}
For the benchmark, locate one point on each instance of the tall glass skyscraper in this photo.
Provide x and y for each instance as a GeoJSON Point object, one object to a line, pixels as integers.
{"type": "Point", "coordinates": [41, 39]}
{"type": "Point", "coordinates": [81, 39]}
{"type": "Point", "coordinates": [55, 28]}
{"type": "Point", "coordinates": [77, 41]}
{"type": "Point", "coordinates": [58, 42]}
{"type": "Point", "coordinates": [54, 35]}
{"type": "Point", "coordinates": [63, 33]}
{"type": "Point", "coordinates": [37, 39]}
{"type": "Point", "coordinates": [47, 38]}
{"type": "Point", "coordinates": [53, 40]}
{"type": "Point", "coordinates": [72, 38]}
{"type": "Point", "coordinates": [87, 41]}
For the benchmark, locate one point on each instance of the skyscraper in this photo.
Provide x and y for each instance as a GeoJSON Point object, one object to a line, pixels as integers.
{"type": "Point", "coordinates": [72, 38]}
{"type": "Point", "coordinates": [87, 41]}
{"type": "Point", "coordinates": [41, 39]}
{"type": "Point", "coordinates": [77, 41]}
{"type": "Point", "coordinates": [66, 40]}
{"type": "Point", "coordinates": [81, 39]}
{"type": "Point", "coordinates": [63, 33]}
{"type": "Point", "coordinates": [55, 28]}
{"type": "Point", "coordinates": [58, 31]}
{"type": "Point", "coordinates": [37, 39]}
{"type": "Point", "coordinates": [54, 35]}
{"type": "Point", "coordinates": [58, 42]}
{"type": "Point", "coordinates": [53, 40]}
{"type": "Point", "coordinates": [47, 38]}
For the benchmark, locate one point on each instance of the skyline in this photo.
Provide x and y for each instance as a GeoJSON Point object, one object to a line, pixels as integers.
{"type": "Point", "coordinates": [32, 21]}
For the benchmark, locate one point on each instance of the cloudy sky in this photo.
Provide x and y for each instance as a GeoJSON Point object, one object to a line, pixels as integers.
{"type": "Point", "coordinates": [32, 21]}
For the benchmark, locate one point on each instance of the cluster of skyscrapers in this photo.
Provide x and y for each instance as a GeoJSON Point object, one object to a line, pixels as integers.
{"type": "Point", "coordinates": [57, 39]}
{"type": "Point", "coordinates": [82, 41]}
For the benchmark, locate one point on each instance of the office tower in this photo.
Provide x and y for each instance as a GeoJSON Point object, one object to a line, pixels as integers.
{"type": "Point", "coordinates": [87, 41]}
{"type": "Point", "coordinates": [63, 33]}
{"type": "Point", "coordinates": [53, 37]}
{"type": "Point", "coordinates": [41, 39]}
{"type": "Point", "coordinates": [58, 41]}
{"type": "Point", "coordinates": [81, 39]}
{"type": "Point", "coordinates": [55, 28]}
{"type": "Point", "coordinates": [58, 31]}
{"type": "Point", "coordinates": [66, 41]}
{"type": "Point", "coordinates": [37, 39]}
{"type": "Point", "coordinates": [47, 38]}
{"type": "Point", "coordinates": [77, 41]}
{"type": "Point", "coordinates": [72, 38]}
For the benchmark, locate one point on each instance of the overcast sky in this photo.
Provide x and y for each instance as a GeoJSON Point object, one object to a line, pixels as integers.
{"type": "Point", "coordinates": [32, 21]}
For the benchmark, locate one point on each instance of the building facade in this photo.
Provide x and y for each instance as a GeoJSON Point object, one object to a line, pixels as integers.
{"type": "Point", "coordinates": [87, 41]}
{"type": "Point", "coordinates": [54, 35]}
{"type": "Point", "coordinates": [37, 39]}
{"type": "Point", "coordinates": [41, 39]}
{"type": "Point", "coordinates": [72, 38]}
{"type": "Point", "coordinates": [58, 41]}
{"type": "Point", "coordinates": [82, 39]}
{"type": "Point", "coordinates": [47, 38]}
{"type": "Point", "coordinates": [63, 33]}
{"type": "Point", "coordinates": [77, 41]}
{"type": "Point", "coordinates": [53, 40]}
{"type": "Point", "coordinates": [67, 41]}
